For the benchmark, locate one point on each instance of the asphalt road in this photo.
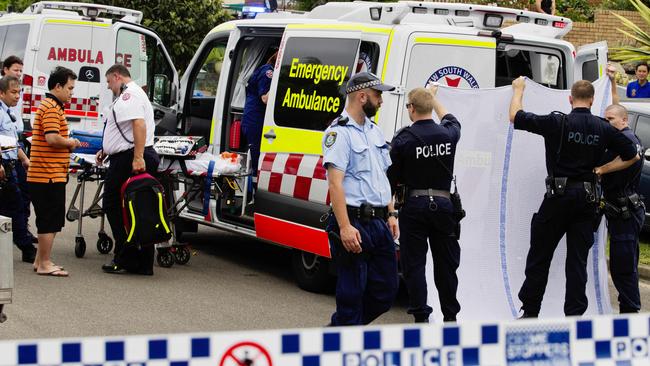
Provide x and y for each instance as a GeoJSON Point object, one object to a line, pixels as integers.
{"type": "Point", "coordinates": [233, 283]}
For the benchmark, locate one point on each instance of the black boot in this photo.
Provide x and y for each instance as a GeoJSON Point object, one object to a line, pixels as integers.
{"type": "Point", "coordinates": [421, 318]}
{"type": "Point", "coordinates": [29, 253]}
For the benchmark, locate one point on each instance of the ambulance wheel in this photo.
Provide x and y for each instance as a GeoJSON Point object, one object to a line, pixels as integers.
{"type": "Point", "coordinates": [311, 271]}
{"type": "Point", "coordinates": [182, 226]}
{"type": "Point", "coordinates": [182, 255]}
{"type": "Point", "coordinates": [165, 258]}
{"type": "Point", "coordinates": [79, 247]}
{"type": "Point", "coordinates": [104, 244]}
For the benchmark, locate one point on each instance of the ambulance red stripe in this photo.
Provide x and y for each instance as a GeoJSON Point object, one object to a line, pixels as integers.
{"type": "Point", "coordinates": [293, 235]}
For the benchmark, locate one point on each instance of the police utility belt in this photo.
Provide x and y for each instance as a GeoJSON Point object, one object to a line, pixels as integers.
{"type": "Point", "coordinates": [622, 207]}
{"type": "Point", "coordinates": [428, 193]}
{"type": "Point", "coordinates": [367, 212]}
{"type": "Point", "coordinates": [556, 186]}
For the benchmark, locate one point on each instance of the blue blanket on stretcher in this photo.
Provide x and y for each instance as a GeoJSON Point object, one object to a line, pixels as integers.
{"type": "Point", "coordinates": [91, 142]}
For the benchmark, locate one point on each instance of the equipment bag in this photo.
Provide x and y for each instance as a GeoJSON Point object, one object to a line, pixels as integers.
{"type": "Point", "coordinates": [145, 211]}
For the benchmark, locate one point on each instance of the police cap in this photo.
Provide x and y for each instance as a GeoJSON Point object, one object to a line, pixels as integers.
{"type": "Point", "coordinates": [365, 80]}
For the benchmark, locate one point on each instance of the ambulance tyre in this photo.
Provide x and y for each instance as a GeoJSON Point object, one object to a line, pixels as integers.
{"type": "Point", "coordinates": [165, 258]}
{"type": "Point", "coordinates": [311, 271]}
{"type": "Point", "coordinates": [104, 244]}
{"type": "Point", "coordinates": [79, 247]}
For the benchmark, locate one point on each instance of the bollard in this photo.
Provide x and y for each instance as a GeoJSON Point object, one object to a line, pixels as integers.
{"type": "Point", "coordinates": [6, 265]}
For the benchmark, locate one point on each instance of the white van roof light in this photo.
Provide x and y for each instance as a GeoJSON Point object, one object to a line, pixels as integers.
{"type": "Point", "coordinates": [478, 16]}
{"type": "Point", "coordinates": [88, 10]}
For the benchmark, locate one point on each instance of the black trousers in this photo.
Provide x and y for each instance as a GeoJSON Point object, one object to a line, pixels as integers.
{"type": "Point", "coordinates": [568, 214]}
{"type": "Point", "coordinates": [119, 170]}
{"type": "Point", "coordinates": [428, 224]}
{"type": "Point", "coordinates": [624, 259]}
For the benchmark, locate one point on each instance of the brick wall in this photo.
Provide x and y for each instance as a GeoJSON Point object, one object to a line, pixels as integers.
{"type": "Point", "coordinates": [604, 29]}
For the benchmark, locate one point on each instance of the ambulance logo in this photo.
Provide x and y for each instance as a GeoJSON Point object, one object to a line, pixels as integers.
{"type": "Point", "coordinates": [41, 81]}
{"type": "Point", "coordinates": [454, 76]}
{"type": "Point", "coordinates": [126, 96]}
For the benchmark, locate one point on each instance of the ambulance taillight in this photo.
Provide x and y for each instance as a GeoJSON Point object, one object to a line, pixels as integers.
{"type": "Point", "coordinates": [28, 83]}
{"type": "Point", "coordinates": [558, 24]}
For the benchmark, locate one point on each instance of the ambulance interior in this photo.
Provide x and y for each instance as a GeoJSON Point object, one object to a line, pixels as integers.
{"type": "Point", "coordinates": [544, 65]}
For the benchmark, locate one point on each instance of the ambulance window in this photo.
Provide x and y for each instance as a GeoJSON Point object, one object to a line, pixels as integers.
{"type": "Point", "coordinates": [590, 70]}
{"type": "Point", "coordinates": [207, 79]}
{"type": "Point", "coordinates": [163, 78]}
{"type": "Point", "coordinates": [643, 129]}
{"type": "Point", "coordinates": [132, 52]}
{"type": "Point", "coordinates": [311, 85]}
{"type": "Point", "coordinates": [544, 68]}
{"type": "Point", "coordinates": [368, 57]}
{"type": "Point", "coordinates": [15, 41]}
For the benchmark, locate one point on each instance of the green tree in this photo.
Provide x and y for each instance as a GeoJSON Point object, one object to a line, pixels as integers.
{"type": "Point", "coordinates": [641, 50]}
{"type": "Point", "coordinates": [181, 24]}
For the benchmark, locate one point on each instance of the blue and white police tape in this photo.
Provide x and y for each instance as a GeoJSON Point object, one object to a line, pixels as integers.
{"type": "Point", "coordinates": [598, 341]}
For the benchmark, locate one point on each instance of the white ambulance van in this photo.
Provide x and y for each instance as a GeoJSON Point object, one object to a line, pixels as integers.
{"type": "Point", "coordinates": [53, 33]}
{"type": "Point", "coordinates": [407, 44]}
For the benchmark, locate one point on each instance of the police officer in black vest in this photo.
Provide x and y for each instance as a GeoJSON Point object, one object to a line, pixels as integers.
{"type": "Point", "coordinates": [423, 163]}
{"type": "Point", "coordinates": [625, 213]}
{"type": "Point", "coordinates": [575, 144]}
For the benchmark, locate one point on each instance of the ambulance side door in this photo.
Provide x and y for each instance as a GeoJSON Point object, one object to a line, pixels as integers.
{"type": "Point", "coordinates": [292, 188]}
{"type": "Point", "coordinates": [591, 61]}
{"type": "Point", "coordinates": [453, 60]}
{"type": "Point", "coordinates": [99, 97]}
{"type": "Point", "coordinates": [144, 54]}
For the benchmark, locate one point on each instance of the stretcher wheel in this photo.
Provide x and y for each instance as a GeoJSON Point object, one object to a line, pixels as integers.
{"type": "Point", "coordinates": [182, 255]}
{"type": "Point", "coordinates": [104, 244]}
{"type": "Point", "coordinates": [79, 247]}
{"type": "Point", "coordinates": [165, 258]}
{"type": "Point", "coordinates": [72, 215]}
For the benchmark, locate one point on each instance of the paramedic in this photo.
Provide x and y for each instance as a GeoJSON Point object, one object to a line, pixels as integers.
{"type": "Point", "coordinates": [48, 168]}
{"type": "Point", "coordinates": [13, 66]}
{"type": "Point", "coordinates": [11, 203]}
{"type": "Point", "coordinates": [128, 145]}
{"type": "Point", "coordinates": [625, 212]}
{"type": "Point", "coordinates": [423, 162]}
{"type": "Point", "coordinates": [257, 89]}
{"type": "Point", "coordinates": [363, 227]}
{"type": "Point", "coordinates": [575, 144]}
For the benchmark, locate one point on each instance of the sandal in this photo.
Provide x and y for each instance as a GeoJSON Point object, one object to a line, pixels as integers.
{"type": "Point", "coordinates": [54, 273]}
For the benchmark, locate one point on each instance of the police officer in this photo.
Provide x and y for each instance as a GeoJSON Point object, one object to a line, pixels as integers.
{"type": "Point", "coordinates": [257, 89]}
{"type": "Point", "coordinates": [423, 162]}
{"type": "Point", "coordinates": [364, 225]}
{"type": "Point", "coordinates": [575, 144]}
{"type": "Point", "coordinates": [128, 145]}
{"type": "Point", "coordinates": [11, 203]}
{"type": "Point", "coordinates": [625, 214]}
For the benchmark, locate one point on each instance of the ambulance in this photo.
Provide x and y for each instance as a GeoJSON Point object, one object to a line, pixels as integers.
{"type": "Point", "coordinates": [88, 39]}
{"type": "Point", "coordinates": [407, 44]}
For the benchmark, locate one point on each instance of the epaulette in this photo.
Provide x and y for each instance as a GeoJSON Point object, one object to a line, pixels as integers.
{"type": "Point", "coordinates": [558, 112]}
{"type": "Point", "coordinates": [400, 131]}
{"type": "Point", "coordinates": [340, 120]}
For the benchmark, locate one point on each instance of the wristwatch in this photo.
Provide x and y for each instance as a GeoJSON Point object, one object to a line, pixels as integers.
{"type": "Point", "coordinates": [394, 214]}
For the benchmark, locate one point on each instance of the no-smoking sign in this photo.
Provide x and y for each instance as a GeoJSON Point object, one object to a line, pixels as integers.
{"type": "Point", "coordinates": [246, 354]}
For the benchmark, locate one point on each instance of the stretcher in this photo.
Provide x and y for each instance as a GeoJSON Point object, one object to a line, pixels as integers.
{"type": "Point", "coordinates": [203, 176]}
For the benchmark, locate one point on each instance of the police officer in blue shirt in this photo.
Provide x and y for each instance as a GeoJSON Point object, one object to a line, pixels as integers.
{"type": "Point", "coordinates": [11, 203]}
{"type": "Point", "coordinates": [364, 225]}
{"type": "Point", "coordinates": [423, 163]}
{"type": "Point", "coordinates": [625, 213]}
{"type": "Point", "coordinates": [575, 144]}
{"type": "Point", "coordinates": [639, 88]}
{"type": "Point", "coordinates": [257, 89]}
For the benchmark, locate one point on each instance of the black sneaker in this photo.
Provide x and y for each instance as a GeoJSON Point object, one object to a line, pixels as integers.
{"type": "Point", "coordinates": [421, 319]}
{"type": "Point", "coordinates": [33, 238]}
{"type": "Point", "coordinates": [29, 254]}
{"type": "Point", "coordinates": [112, 268]}
{"type": "Point", "coordinates": [527, 315]}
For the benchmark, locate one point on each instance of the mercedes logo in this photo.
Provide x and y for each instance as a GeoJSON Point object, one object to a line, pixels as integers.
{"type": "Point", "coordinates": [90, 75]}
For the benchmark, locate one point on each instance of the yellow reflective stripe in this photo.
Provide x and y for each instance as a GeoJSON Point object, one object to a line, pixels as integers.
{"type": "Point", "coordinates": [162, 213]}
{"type": "Point", "coordinates": [77, 22]}
{"type": "Point", "coordinates": [388, 46]}
{"type": "Point", "coordinates": [223, 27]}
{"type": "Point", "coordinates": [456, 42]}
{"type": "Point", "coordinates": [292, 140]}
{"type": "Point", "coordinates": [211, 132]}
{"type": "Point", "coordinates": [356, 27]}
{"type": "Point", "coordinates": [132, 222]}
{"type": "Point", "coordinates": [600, 70]}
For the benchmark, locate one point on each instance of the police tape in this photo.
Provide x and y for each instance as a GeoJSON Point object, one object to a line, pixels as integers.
{"type": "Point", "coordinates": [598, 341]}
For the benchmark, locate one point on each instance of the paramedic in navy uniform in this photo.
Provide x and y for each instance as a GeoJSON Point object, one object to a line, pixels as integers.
{"type": "Point", "coordinates": [418, 152]}
{"type": "Point", "coordinates": [575, 144]}
{"type": "Point", "coordinates": [356, 156]}
{"type": "Point", "coordinates": [257, 89]}
{"type": "Point", "coordinates": [128, 145]}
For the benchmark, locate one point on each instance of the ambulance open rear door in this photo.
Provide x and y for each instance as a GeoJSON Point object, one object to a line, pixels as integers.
{"type": "Point", "coordinates": [591, 61]}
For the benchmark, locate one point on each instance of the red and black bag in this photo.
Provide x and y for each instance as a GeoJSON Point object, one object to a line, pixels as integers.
{"type": "Point", "coordinates": [145, 211]}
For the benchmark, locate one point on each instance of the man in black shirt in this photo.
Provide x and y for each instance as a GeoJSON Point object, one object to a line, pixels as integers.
{"type": "Point", "coordinates": [575, 144]}
{"type": "Point", "coordinates": [423, 162]}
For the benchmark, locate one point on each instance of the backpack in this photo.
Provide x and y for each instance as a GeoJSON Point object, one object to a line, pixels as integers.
{"type": "Point", "coordinates": [145, 211]}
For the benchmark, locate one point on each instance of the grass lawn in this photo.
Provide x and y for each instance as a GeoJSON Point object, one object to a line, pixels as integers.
{"type": "Point", "coordinates": [644, 249]}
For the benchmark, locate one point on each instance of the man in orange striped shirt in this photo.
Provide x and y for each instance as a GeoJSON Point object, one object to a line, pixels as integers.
{"type": "Point", "coordinates": [48, 171]}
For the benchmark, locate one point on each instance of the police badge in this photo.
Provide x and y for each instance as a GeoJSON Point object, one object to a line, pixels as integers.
{"type": "Point", "coordinates": [330, 139]}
